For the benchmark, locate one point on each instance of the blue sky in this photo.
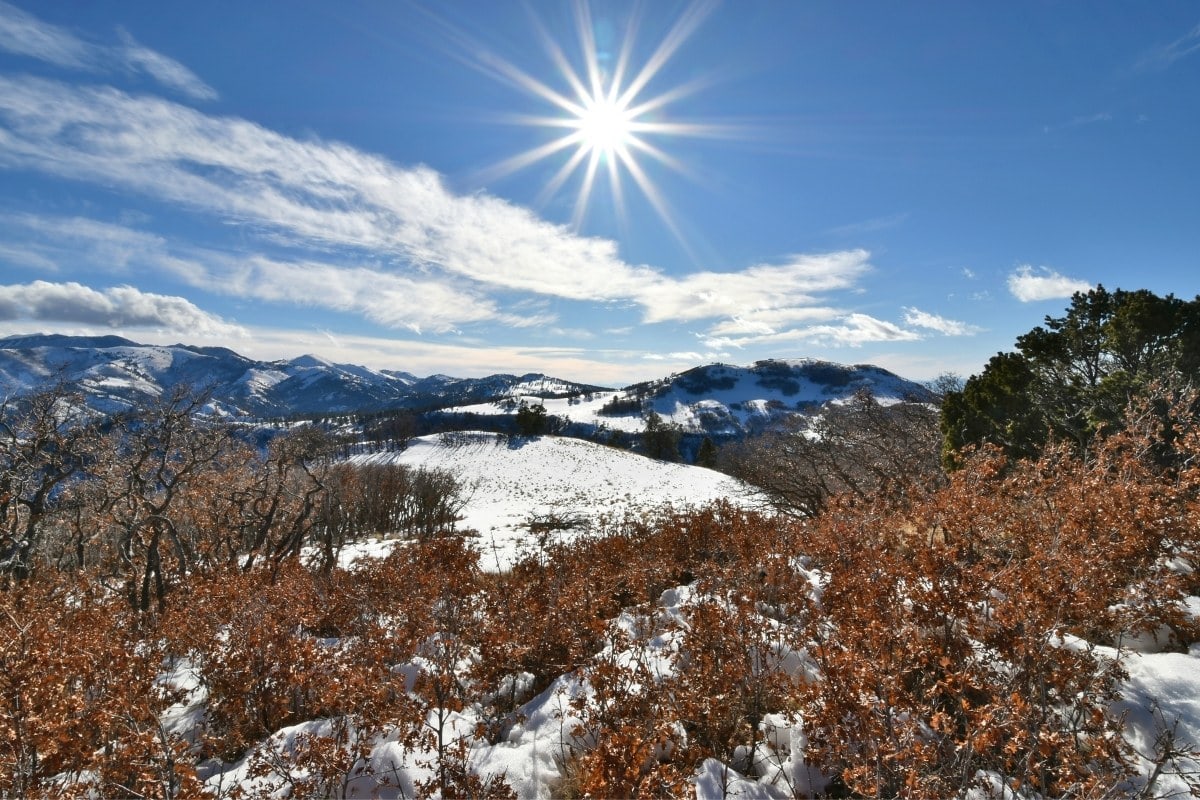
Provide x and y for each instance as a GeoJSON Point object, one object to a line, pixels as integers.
{"type": "Point", "coordinates": [605, 192]}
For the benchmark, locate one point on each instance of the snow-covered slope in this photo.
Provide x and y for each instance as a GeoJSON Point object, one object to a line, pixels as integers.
{"type": "Point", "coordinates": [116, 374]}
{"type": "Point", "coordinates": [555, 480]}
{"type": "Point", "coordinates": [719, 400]}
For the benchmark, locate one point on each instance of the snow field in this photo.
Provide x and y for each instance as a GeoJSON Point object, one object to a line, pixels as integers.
{"type": "Point", "coordinates": [510, 482]}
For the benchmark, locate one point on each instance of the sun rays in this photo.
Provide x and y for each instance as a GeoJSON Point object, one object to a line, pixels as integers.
{"type": "Point", "coordinates": [610, 123]}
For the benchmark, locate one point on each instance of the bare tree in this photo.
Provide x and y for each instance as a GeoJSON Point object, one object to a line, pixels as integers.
{"type": "Point", "coordinates": [154, 457]}
{"type": "Point", "coordinates": [375, 499]}
{"type": "Point", "coordinates": [46, 440]}
{"type": "Point", "coordinates": [861, 448]}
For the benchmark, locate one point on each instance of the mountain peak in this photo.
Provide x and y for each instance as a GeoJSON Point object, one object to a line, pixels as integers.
{"type": "Point", "coordinates": [30, 341]}
{"type": "Point", "coordinates": [115, 373]}
{"type": "Point", "coordinates": [311, 360]}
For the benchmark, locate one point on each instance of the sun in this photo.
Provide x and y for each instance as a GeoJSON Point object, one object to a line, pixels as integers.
{"type": "Point", "coordinates": [607, 120]}
{"type": "Point", "coordinates": [605, 128]}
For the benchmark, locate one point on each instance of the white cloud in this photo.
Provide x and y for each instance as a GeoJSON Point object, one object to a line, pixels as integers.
{"type": "Point", "coordinates": [1029, 284]}
{"type": "Point", "coordinates": [766, 290]}
{"type": "Point", "coordinates": [25, 35]}
{"type": "Point", "coordinates": [1165, 55]}
{"type": "Point", "coordinates": [766, 322]}
{"type": "Point", "coordinates": [722, 343]}
{"type": "Point", "coordinates": [858, 329]}
{"type": "Point", "coordinates": [395, 301]}
{"type": "Point", "coordinates": [330, 196]}
{"type": "Point", "coordinates": [579, 334]}
{"type": "Point", "coordinates": [21, 255]}
{"type": "Point", "coordinates": [418, 303]}
{"type": "Point", "coordinates": [1079, 122]}
{"type": "Point", "coordinates": [117, 307]}
{"type": "Point", "coordinates": [870, 225]}
{"type": "Point", "coordinates": [949, 327]}
{"type": "Point", "coordinates": [167, 71]}
{"type": "Point", "coordinates": [842, 330]}
{"type": "Point", "coordinates": [57, 240]}
{"type": "Point", "coordinates": [688, 357]}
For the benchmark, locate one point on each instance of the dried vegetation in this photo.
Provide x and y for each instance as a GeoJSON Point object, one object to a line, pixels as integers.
{"type": "Point", "coordinates": [918, 642]}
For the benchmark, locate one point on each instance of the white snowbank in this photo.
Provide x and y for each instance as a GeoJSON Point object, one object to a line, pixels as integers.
{"type": "Point", "coordinates": [510, 482]}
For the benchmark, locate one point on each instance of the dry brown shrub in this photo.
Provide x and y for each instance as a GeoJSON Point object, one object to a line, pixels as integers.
{"type": "Point", "coordinates": [79, 703]}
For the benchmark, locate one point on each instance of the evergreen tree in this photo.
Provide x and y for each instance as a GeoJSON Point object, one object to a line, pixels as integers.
{"type": "Point", "coordinates": [1072, 377]}
{"type": "Point", "coordinates": [706, 456]}
{"type": "Point", "coordinates": [661, 439]}
{"type": "Point", "coordinates": [532, 420]}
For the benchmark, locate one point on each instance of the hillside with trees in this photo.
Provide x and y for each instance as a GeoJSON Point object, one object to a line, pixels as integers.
{"type": "Point", "coordinates": [998, 601]}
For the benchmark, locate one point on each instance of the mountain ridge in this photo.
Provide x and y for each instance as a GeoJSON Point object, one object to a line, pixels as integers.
{"type": "Point", "coordinates": [115, 374]}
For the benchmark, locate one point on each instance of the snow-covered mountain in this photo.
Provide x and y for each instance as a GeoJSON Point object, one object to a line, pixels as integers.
{"type": "Point", "coordinates": [727, 400]}
{"type": "Point", "coordinates": [719, 400]}
{"type": "Point", "coordinates": [115, 373]}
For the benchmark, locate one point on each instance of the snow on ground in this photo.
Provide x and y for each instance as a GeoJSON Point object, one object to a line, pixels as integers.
{"type": "Point", "coordinates": [718, 399]}
{"type": "Point", "coordinates": [511, 482]}
{"type": "Point", "coordinates": [1161, 698]}
{"type": "Point", "coordinates": [585, 409]}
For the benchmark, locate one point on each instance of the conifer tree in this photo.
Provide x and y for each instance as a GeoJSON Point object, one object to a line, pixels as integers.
{"type": "Point", "coordinates": [1071, 378]}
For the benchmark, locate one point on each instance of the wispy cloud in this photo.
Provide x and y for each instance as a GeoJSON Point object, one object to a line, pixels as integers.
{"type": "Point", "coordinates": [855, 330]}
{"type": "Point", "coordinates": [950, 327]}
{"type": "Point", "coordinates": [167, 71]}
{"type": "Point", "coordinates": [688, 356]}
{"type": "Point", "coordinates": [117, 307]}
{"type": "Point", "coordinates": [55, 241]}
{"type": "Point", "coordinates": [765, 322]}
{"type": "Point", "coordinates": [772, 291]}
{"type": "Point", "coordinates": [25, 35]}
{"type": "Point", "coordinates": [1079, 122]}
{"type": "Point", "coordinates": [396, 301]}
{"type": "Point", "coordinates": [332, 198]}
{"type": "Point", "coordinates": [870, 225]}
{"type": "Point", "coordinates": [840, 330]}
{"type": "Point", "coordinates": [1029, 284]}
{"type": "Point", "coordinates": [1164, 55]}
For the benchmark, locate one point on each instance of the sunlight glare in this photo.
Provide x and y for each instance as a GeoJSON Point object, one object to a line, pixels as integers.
{"type": "Point", "coordinates": [604, 127]}
{"type": "Point", "coordinates": [605, 114]}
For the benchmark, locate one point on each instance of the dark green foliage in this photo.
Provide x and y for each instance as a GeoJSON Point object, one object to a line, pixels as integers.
{"type": "Point", "coordinates": [706, 456]}
{"type": "Point", "coordinates": [705, 380]}
{"type": "Point", "coordinates": [661, 439]}
{"type": "Point", "coordinates": [994, 407]}
{"type": "Point", "coordinates": [532, 420]}
{"type": "Point", "coordinates": [620, 406]}
{"type": "Point", "coordinates": [1071, 378]}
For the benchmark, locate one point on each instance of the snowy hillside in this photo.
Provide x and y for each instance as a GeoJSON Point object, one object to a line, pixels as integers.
{"type": "Point", "coordinates": [719, 400]}
{"type": "Point", "coordinates": [555, 481]}
{"type": "Point", "coordinates": [115, 374]}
